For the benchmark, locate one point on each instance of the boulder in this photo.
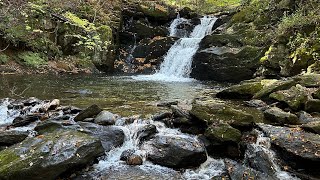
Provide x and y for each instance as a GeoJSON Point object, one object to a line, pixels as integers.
{"type": "Point", "coordinates": [25, 120]}
{"type": "Point", "coordinates": [46, 157]}
{"type": "Point", "coordinates": [222, 133]}
{"type": "Point", "coordinates": [239, 171]}
{"type": "Point", "coordinates": [134, 160]}
{"type": "Point", "coordinates": [187, 13]}
{"type": "Point", "coordinates": [295, 97]}
{"type": "Point", "coordinates": [277, 115]}
{"type": "Point", "coordinates": [257, 103]}
{"type": "Point", "coordinates": [89, 112]}
{"type": "Point", "coordinates": [176, 151]}
{"type": "Point", "coordinates": [127, 153]}
{"type": "Point", "coordinates": [308, 80]}
{"type": "Point", "coordinates": [313, 127]}
{"type": "Point", "coordinates": [273, 87]}
{"type": "Point", "coordinates": [49, 126]}
{"type": "Point", "coordinates": [146, 132]}
{"type": "Point", "coordinates": [143, 30]}
{"type": "Point", "coordinates": [110, 136]}
{"type": "Point", "coordinates": [106, 118]}
{"type": "Point", "coordinates": [216, 111]}
{"type": "Point", "coordinates": [313, 105]}
{"type": "Point", "coordinates": [298, 148]}
{"type": "Point", "coordinates": [245, 90]}
{"type": "Point", "coordinates": [11, 137]}
{"type": "Point", "coordinates": [226, 64]}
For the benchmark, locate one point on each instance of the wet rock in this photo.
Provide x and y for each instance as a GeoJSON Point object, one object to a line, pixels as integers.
{"type": "Point", "coordinates": [313, 127]}
{"type": "Point", "coordinates": [313, 105]}
{"type": "Point", "coordinates": [88, 113]}
{"type": "Point", "coordinates": [295, 97]}
{"type": "Point", "coordinates": [12, 137]}
{"type": "Point", "coordinates": [54, 104]}
{"type": "Point", "coordinates": [226, 64]}
{"type": "Point", "coordinates": [161, 116]}
{"type": "Point", "coordinates": [277, 115]}
{"type": "Point", "coordinates": [298, 148]}
{"type": "Point", "coordinates": [25, 120]}
{"type": "Point", "coordinates": [134, 160]}
{"type": "Point", "coordinates": [46, 157]}
{"type": "Point", "coordinates": [245, 90]}
{"type": "Point", "coordinates": [132, 172]}
{"type": "Point", "coordinates": [31, 101]}
{"type": "Point", "coordinates": [143, 30]}
{"type": "Point", "coordinates": [176, 151]}
{"type": "Point", "coordinates": [106, 118]}
{"type": "Point", "coordinates": [110, 136]}
{"type": "Point", "coordinates": [146, 132]}
{"type": "Point", "coordinates": [190, 126]}
{"type": "Point", "coordinates": [51, 125]}
{"type": "Point", "coordinates": [71, 110]}
{"type": "Point", "coordinates": [258, 159]}
{"type": "Point", "coordinates": [187, 13]}
{"type": "Point", "coordinates": [127, 153]}
{"type": "Point", "coordinates": [177, 111]}
{"type": "Point", "coordinates": [239, 171]}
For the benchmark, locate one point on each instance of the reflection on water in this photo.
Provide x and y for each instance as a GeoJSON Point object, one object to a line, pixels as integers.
{"type": "Point", "coordinates": [122, 95]}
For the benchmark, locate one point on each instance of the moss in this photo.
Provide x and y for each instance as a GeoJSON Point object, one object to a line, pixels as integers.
{"type": "Point", "coordinates": [32, 59]}
{"type": "Point", "coordinates": [4, 58]}
{"type": "Point", "coordinates": [223, 133]}
{"type": "Point", "coordinates": [275, 86]}
{"type": "Point", "coordinates": [154, 10]}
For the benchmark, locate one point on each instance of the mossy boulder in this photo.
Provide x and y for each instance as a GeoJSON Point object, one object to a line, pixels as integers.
{"type": "Point", "coordinates": [245, 90]}
{"type": "Point", "coordinates": [154, 10]}
{"type": "Point", "coordinates": [216, 112]}
{"type": "Point", "coordinates": [313, 127]}
{"type": "Point", "coordinates": [273, 87]}
{"type": "Point", "coordinates": [308, 80]}
{"type": "Point", "coordinates": [313, 105]}
{"type": "Point", "coordinates": [295, 97]}
{"type": "Point", "coordinates": [221, 133]}
{"type": "Point", "coordinates": [278, 116]}
{"type": "Point", "coordinates": [48, 156]}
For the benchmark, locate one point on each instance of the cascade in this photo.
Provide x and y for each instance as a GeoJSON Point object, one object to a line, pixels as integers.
{"type": "Point", "coordinates": [178, 61]}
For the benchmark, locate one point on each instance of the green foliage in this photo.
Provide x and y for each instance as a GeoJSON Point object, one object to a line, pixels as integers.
{"type": "Point", "coordinates": [31, 59]}
{"type": "Point", "coordinates": [3, 58]}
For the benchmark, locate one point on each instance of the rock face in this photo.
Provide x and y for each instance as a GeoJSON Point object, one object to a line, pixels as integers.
{"type": "Point", "coordinates": [176, 151]}
{"type": "Point", "coordinates": [224, 60]}
{"type": "Point", "coordinates": [110, 136]}
{"type": "Point", "coordinates": [46, 157]}
{"type": "Point", "coordinates": [245, 90]}
{"type": "Point", "coordinates": [279, 116]}
{"type": "Point", "coordinates": [300, 149]}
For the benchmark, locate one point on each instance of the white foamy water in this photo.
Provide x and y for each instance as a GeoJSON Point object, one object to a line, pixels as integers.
{"type": "Point", "coordinates": [7, 115]}
{"type": "Point", "coordinates": [173, 29]}
{"type": "Point", "coordinates": [178, 61]}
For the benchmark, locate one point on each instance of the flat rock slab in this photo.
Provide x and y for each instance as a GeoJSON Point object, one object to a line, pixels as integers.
{"type": "Point", "coordinates": [299, 148]}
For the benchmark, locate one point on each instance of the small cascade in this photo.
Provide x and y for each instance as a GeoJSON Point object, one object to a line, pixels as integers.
{"type": "Point", "coordinates": [130, 57]}
{"type": "Point", "coordinates": [7, 115]}
{"type": "Point", "coordinates": [263, 143]}
{"type": "Point", "coordinates": [178, 61]}
{"type": "Point", "coordinates": [173, 29]}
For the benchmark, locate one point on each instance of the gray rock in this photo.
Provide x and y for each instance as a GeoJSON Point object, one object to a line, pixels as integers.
{"type": "Point", "coordinates": [176, 151]}
{"type": "Point", "coordinates": [313, 105]}
{"type": "Point", "coordinates": [134, 160]}
{"type": "Point", "coordinates": [106, 118]}
{"type": "Point", "coordinates": [127, 153]}
{"type": "Point", "coordinates": [25, 120]}
{"type": "Point", "coordinates": [49, 156]}
{"type": "Point", "coordinates": [12, 137]}
{"type": "Point", "coordinates": [88, 113]}
{"type": "Point", "coordinates": [298, 148]}
{"type": "Point", "coordinates": [110, 136]}
{"type": "Point", "coordinates": [146, 132]}
{"type": "Point", "coordinates": [313, 127]}
{"type": "Point", "coordinates": [277, 115]}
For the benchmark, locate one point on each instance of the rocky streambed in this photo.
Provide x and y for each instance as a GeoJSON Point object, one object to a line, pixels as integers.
{"type": "Point", "coordinates": [208, 138]}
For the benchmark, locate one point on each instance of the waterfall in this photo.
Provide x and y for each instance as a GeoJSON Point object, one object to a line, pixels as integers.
{"type": "Point", "coordinates": [178, 61]}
